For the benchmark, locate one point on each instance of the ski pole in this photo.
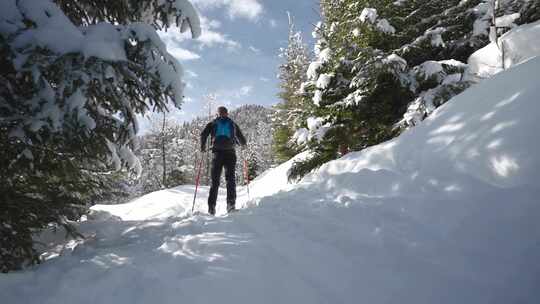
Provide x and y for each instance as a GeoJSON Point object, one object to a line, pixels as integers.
{"type": "Point", "coordinates": [246, 175]}
{"type": "Point", "coordinates": [196, 185]}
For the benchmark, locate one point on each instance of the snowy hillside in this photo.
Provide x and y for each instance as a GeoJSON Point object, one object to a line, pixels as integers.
{"type": "Point", "coordinates": [446, 213]}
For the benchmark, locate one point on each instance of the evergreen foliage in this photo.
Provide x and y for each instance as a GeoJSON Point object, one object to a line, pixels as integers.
{"type": "Point", "coordinates": [290, 110]}
{"type": "Point", "coordinates": [255, 122]}
{"type": "Point", "coordinates": [67, 108]}
{"type": "Point", "coordinates": [162, 154]}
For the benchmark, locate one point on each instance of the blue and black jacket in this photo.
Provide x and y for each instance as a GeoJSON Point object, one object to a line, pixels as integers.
{"type": "Point", "coordinates": [225, 134]}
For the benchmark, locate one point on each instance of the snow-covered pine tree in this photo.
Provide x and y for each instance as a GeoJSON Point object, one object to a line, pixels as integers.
{"type": "Point", "coordinates": [190, 136]}
{"type": "Point", "coordinates": [354, 86]}
{"type": "Point", "coordinates": [256, 125]}
{"type": "Point", "coordinates": [73, 76]}
{"type": "Point", "coordinates": [382, 66]}
{"type": "Point", "coordinates": [437, 37]}
{"type": "Point", "coordinates": [161, 155]}
{"type": "Point", "coordinates": [290, 110]}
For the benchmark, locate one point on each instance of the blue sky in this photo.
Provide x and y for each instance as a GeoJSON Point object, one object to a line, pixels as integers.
{"type": "Point", "coordinates": [236, 57]}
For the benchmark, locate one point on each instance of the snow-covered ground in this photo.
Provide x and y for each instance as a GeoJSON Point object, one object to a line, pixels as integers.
{"type": "Point", "coordinates": [514, 47]}
{"type": "Point", "coordinates": [446, 213]}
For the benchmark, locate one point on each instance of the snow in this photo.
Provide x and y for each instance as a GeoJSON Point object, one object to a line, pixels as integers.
{"type": "Point", "coordinates": [103, 41]}
{"type": "Point", "coordinates": [436, 36]}
{"type": "Point", "coordinates": [272, 182]}
{"type": "Point", "coordinates": [384, 26]}
{"type": "Point", "coordinates": [54, 31]}
{"type": "Point", "coordinates": [301, 136]}
{"type": "Point", "coordinates": [519, 44]}
{"type": "Point", "coordinates": [76, 103]}
{"type": "Point", "coordinates": [324, 80]}
{"type": "Point", "coordinates": [325, 55]}
{"type": "Point", "coordinates": [114, 158]}
{"type": "Point", "coordinates": [453, 62]}
{"type": "Point", "coordinates": [428, 68]}
{"type": "Point", "coordinates": [445, 213]}
{"type": "Point", "coordinates": [158, 205]}
{"type": "Point", "coordinates": [313, 69]}
{"type": "Point", "coordinates": [29, 25]}
{"type": "Point", "coordinates": [452, 78]}
{"type": "Point", "coordinates": [395, 59]}
{"type": "Point", "coordinates": [368, 14]}
{"type": "Point", "coordinates": [480, 27]}
{"type": "Point", "coordinates": [507, 20]}
{"type": "Point", "coordinates": [131, 159]}
{"type": "Point", "coordinates": [427, 101]}
{"type": "Point", "coordinates": [486, 61]}
{"type": "Point", "coordinates": [315, 129]}
{"type": "Point", "coordinates": [317, 97]}
{"type": "Point", "coordinates": [189, 18]}
{"type": "Point", "coordinates": [10, 19]}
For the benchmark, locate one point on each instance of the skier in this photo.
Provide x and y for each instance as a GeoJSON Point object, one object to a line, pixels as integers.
{"type": "Point", "coordinates": [225, 134]}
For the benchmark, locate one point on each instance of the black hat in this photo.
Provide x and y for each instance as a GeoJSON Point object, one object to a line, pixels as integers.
{"type": "Point", "coordinates": [222, 110]}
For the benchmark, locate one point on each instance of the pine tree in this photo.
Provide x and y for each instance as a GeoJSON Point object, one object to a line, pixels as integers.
{"type": "Point", "coordinates": [356, 90]}
{"type": "Point", "coordinates": [290, 110]}
{"type": "Point", "coordinates": [255, 122]}
{"type": "Point", "coordinates": [162, 156]}
{"type": "Point", "coordinates": [74, 76]}
{"type": "Point", "coordinates": [383, 66]}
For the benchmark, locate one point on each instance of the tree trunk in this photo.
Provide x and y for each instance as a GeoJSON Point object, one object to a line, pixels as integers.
{"type": "Point", "coordinates": [163, 153]}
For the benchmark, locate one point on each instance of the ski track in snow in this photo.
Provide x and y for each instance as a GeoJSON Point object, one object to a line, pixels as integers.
{"type": "Point", "coordinates": [304, 251]}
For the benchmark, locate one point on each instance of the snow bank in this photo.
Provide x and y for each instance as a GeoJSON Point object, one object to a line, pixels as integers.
{"type": "Point", "coordinates": [156, 205]}
{"type": "Point", "coordinates": [445, 213]}
{"type": "Point", "coordinates": [518, 44]}
{"type": "Point", "coordinates": [274, 180]}
{"type": "Point", "coordinates": [486, 134]}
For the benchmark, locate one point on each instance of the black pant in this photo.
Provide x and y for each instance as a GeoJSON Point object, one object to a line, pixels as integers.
{"type": "Point", "coordinates": [222, 159]}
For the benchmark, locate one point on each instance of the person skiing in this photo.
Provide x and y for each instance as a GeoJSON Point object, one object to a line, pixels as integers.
{"type": "Point", "coordinates": [225, 134]}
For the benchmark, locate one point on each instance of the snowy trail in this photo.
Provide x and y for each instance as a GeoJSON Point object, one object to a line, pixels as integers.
{"type": "Point", "coordinates": [232, 259]}
{"type": "Point", "coordinates": [279, 252]}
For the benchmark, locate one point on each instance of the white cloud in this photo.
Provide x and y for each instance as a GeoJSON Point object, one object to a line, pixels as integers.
{"type": "Point", "coordinates": [172, 41]}
{"type": "Point", "coordinates": [191, 74]}
{"type": "Point", "coordinates": [210, 37]}
{"type": "Point", "coordinates": [234, 94]}
{"type": "Point", "coordinates": [273, 23]}
{"type": "Point", "coordinates": [244, 91]}
{"type": "Point", "coordinates": [264, 79]}
{"type": "Point", "coordinates": [249, 9]}
{"type": "Point", "coordinates": [182, 54]}
{"type": "Point", "coordinates": [254, 49]}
